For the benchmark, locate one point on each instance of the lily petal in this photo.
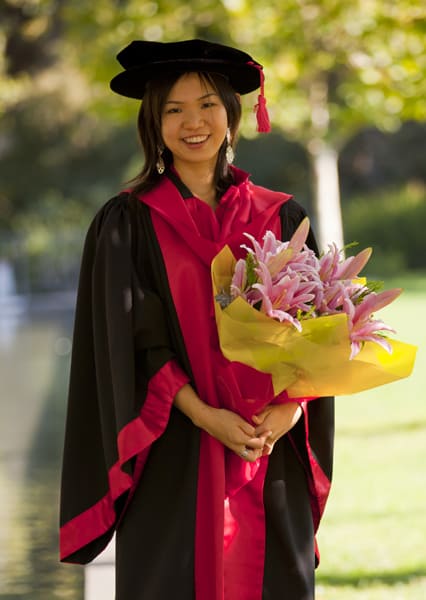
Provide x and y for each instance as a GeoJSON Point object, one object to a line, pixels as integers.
{"type": "Point", "coordinates": [277, 263]}
{"type": "Point", "coordinates": [350, 268]}
{"type": "Point", "coordinates": [298, 238]}
{"type": "Point", "coordinates": [374, 302]}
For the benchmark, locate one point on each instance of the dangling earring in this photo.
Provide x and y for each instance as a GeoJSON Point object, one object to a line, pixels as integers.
{"type": "Point", "coordinates": [229, 152]}
{"type": "Point", "coordinates": [160, 162]}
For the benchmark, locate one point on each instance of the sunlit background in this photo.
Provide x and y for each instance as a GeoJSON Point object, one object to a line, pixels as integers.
{"type": "Point", "coordinates": [345, 84]}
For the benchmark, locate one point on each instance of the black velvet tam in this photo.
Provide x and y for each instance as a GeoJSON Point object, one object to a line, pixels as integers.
{"type": "Point", "coordinates": [144, 61]}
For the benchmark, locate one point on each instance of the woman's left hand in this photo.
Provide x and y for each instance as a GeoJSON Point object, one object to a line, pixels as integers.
{"type": "Point", "coordinates": [278, 418]}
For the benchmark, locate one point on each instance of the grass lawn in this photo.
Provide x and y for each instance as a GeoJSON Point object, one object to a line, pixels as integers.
{"type": "Point", "coordinates": [373, 536]}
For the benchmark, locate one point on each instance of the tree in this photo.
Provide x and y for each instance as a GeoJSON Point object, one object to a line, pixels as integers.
{"type": "Point", "coordinates": [332, 67]}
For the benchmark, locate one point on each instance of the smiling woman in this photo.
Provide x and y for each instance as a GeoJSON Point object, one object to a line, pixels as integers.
{"type": "Point", "coordinates": [210, 99]}
{"type": "Point", "coordinates": [214, 485]}
{"type": "Point", "coordinates": [194, 127]}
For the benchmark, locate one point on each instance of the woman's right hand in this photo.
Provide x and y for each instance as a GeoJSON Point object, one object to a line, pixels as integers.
{"type": "Point", "coordinates": [234, 433]}
{"type": "Point", "coordinates": [224, 425]}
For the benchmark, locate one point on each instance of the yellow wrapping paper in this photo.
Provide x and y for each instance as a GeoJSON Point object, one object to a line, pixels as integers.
{"type": "Point", "coordinates": [313, 362]}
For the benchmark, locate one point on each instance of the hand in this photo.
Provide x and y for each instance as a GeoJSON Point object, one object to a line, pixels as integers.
{"type": "Point", "coordinates": [235, 433]}
{"type": "Point", "coordinates": [226, 426]}
{"type": "Point", "coordinates": [277, 419]}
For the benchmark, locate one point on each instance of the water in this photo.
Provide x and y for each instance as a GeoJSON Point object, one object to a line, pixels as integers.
{"type": "Point", "coordinates": [34, 366]}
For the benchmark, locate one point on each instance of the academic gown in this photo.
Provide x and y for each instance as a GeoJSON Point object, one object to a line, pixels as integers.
{"type": "Point", "coordinates": [192, 519]}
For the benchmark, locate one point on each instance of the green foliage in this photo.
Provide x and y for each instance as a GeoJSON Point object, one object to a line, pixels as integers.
{"type": "Point", "coordinates": [334, 66]}
{"type": "Point", "coordinates": [52, 152]}
{"type": "Point", "coordinates": [331, 67]}
{"type": "Point", "coordinates": [251, 274]}
{"type": "Point", "coordinates": [392, 223]}
{"type": "Point", "coordinates": [104, 27]}
{"type": "Point", "coordinates": [58, 166]}
{"type": "Point", "coordinates": [277, 163]}
{"type": "Point", "coordinates": [374, 159]}
{"type": "Point", "coordinates": [66, 143]}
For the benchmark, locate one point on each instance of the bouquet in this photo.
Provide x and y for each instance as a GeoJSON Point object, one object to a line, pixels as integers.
{"type": "Point", "coordinates": [307, 321]}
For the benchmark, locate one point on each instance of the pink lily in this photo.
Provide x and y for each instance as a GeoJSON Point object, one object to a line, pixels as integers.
{"type": "Point", "coordinates": [276, 254]}
{"type": "Point", "coordinates": [292, 249]}
{"type": "Point", "coordinates": [334, 296]}
{"type": "Point", "coordinates": [277, 263]}
{"type": "Point", "coordinates": [351, 267]}
{"type": "Point", "coordinates": [369, 332]}
{"type": "Point", "coordinates": [329, 263]}
{"type": "Point", "coordinates": [362, 327]}
{"type": "Point", "coordinates": [331, 268]}
{"type": "Point", "coordinates": [298, 239]}
{"type": "Point", "coordinates": [239, 279]}
{"type": "Point", "coordinates": [373, 302]}
{"type": "Point", "coordinates": [257, 249]}
{"type": "Point", "coordinates": [280, 315]}
{"type": "Point", "coordinates": [271, 245]}
{"type": "Point", "coordinates": [290, 279]}
{"type": "Point", "coordinates": [277, 298]}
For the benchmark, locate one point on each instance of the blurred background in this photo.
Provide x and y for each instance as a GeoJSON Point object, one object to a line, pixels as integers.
{"type": "Point", "coordinates": [345, 84]}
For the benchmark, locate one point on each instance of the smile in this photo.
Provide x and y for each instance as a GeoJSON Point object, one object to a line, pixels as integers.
{"type": "Point", "coordinates": [196, 139]}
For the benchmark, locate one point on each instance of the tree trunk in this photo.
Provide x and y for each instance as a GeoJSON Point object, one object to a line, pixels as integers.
{"type": "Point", "coordinates": [324, 160]}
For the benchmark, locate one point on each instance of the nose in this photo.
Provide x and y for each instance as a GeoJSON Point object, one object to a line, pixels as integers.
{"type": "Point", "coordinates": [193, 119]}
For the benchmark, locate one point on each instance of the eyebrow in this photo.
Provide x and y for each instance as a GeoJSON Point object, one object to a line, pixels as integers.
{"type": "Point", "coordinates": [201, 98]}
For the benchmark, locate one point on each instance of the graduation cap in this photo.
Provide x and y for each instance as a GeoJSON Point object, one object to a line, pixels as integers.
{"type": "Point", "coordinates": [144, 61]}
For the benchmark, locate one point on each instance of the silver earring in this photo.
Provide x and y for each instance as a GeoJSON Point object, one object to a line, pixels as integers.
{"type": "Point", "coordinates": [160, 162]}
{"type": "Point", "coordinates": [229, 152]}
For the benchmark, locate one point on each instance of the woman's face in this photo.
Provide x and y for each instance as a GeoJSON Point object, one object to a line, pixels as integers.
{"type": "Point", "coordinates": [194, 122]}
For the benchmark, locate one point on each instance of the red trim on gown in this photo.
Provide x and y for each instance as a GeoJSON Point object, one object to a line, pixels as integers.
{"type": "Point", "coordinates": [135, 439]}
{"type": "Point", "coordinates": [230, 519]}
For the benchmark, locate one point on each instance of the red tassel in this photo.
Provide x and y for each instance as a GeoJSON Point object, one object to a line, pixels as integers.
{"type": "Point", "coordinates": [262, 116]}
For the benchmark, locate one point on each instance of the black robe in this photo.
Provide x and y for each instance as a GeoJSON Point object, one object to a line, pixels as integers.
{"type": "Point", "coordinates": [126, 332]}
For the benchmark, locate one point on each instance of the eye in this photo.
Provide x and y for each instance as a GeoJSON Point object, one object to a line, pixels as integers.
{"type": "Point", "coordinates": [208, 104]}
{"type": "Point", "coordinates": [172, 111]}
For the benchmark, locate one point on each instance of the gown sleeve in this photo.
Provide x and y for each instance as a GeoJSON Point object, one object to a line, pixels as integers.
{"type": "Point", "coordinates": [313, 435]}
{"type": "Point", "coordinates": [124, 376]}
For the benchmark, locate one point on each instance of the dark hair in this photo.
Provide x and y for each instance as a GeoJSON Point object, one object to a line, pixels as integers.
{"type": "Point", "coordinates": [149, 127]}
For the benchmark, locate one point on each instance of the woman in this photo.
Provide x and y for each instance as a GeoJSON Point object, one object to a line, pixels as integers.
{"type": "Point", "coordinates": [214, 487]}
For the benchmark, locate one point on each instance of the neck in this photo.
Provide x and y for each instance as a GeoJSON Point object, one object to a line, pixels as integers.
{"type": "Point", "coordinates": [200, 180]}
